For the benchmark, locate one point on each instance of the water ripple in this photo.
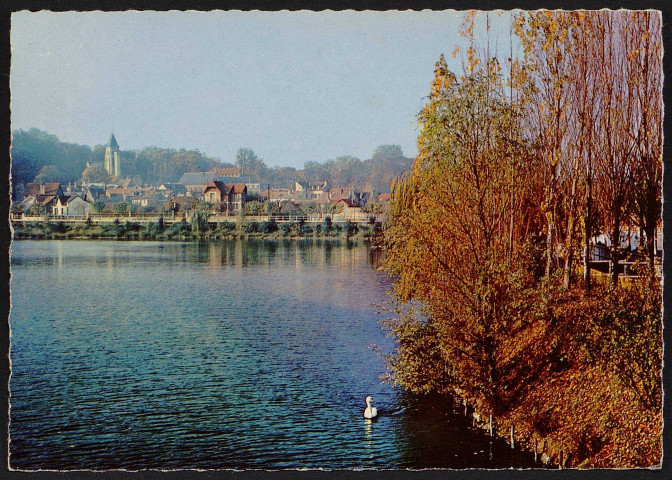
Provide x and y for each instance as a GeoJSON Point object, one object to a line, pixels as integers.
{"type": "Point", "coordinates": [228, 354]}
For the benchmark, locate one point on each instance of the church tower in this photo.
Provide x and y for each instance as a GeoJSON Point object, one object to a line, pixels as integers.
{"type": "Point", "coordinates": [112, 157]}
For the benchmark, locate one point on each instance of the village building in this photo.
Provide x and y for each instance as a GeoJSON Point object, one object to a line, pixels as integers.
{"type": "Point", "coordinates": [92, 193]}
{"type": "Point", "coordinates": [195, 182]}
{"type": "Point", "coordinates": [383, 198]}
{"type": "Point", "coordinates": [149, 200]}
{"type": "Point", "coordinates": [41, 191]}
{"type": "Point", "coordinates": [229, 197]}
{"type": "Point", "coordinates": [71, 206]}
{"type": "Point", "coordinates": [171, 189]}
{"type": "Point", "coordinates": [119, 194]}
{"type": "Point", "coordinates": [226, 172]}
{"type": "Point", "coordinates": [334, 194]}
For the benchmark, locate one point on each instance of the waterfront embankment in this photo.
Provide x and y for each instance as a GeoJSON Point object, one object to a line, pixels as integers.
{"type": "Point", "coordinates": [197, 229]}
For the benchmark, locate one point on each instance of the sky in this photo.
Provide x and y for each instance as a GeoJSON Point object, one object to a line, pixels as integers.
{"type": "Point", "coordinates": [292, 86]}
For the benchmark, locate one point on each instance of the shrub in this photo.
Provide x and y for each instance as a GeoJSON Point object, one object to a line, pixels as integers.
{"type": "Point", "coordinates": [327, 226]}
{"type": "Point", "coordinates": [226, 227]}
{"type": "Point", "coordinates": [251, 227]}
{"type": "Point", "coordinates": [269, 227]}
{"type": "Point", "coordinates": [351, 228]}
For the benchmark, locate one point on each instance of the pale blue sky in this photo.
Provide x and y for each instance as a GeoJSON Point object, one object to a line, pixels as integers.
{"type": "Point", "coordinates": [292, 86]}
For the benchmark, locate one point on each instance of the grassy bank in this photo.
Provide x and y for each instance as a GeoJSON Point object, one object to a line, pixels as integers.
{"type": "Point", "coordinates": [195, 231]}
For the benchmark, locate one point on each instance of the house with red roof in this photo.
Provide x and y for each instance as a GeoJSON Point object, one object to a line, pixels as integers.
{"type": "Point", "coordinates": [229, 197]}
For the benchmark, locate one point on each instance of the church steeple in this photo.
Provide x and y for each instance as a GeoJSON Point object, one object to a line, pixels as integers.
{"type": "Point", "coordinates": [113, 142]}
{"type": "Point", "coordinates": [112, 157]}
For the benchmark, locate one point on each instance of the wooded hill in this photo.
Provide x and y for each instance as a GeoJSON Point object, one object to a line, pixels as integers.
{"type": "Point", "coordinates": [38, 156]}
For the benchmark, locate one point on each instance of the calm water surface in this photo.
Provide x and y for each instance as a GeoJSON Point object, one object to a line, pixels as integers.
{"type": "Point", "coordinates": [228, 354]}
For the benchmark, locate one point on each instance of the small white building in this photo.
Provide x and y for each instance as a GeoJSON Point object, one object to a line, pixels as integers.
{"type": "Point", "coordinates": [71, 206]}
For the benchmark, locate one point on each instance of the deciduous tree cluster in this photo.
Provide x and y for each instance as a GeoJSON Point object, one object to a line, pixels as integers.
{"type": "Point", "coordinates": [521, 164]}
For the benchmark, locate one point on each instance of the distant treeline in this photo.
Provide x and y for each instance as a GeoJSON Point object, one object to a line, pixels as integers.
{"type": "Point", "coordinates": [38, 156]}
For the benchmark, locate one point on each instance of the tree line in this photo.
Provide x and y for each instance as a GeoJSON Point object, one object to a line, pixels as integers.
{"type": "Point", "coordinates": [522, 163]}
{"type": "Point", "coordinates": [41, 157]}
{"type": "Point", "coordinates": [371, 175]}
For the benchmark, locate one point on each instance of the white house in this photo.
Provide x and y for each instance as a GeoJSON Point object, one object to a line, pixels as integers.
{"type": "Point", "coordinates": [72, 206]}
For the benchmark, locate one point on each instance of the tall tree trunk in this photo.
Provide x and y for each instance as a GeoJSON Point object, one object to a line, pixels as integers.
{"type": "Point", "coordinates": [569, 240]}
{"type": "Point", "coordinates": [615, 247]}
{"type": "Point", "coordinates": [588, 232]}
{"type": "Point", "coordinates": [651, 223]}
{"type": "Point", "coordinates": [569, 255]}
{"type": "Point", "coordinates": [549, 245]}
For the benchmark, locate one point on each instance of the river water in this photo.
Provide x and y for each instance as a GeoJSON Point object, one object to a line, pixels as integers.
{"type": "Point", "coordinates": [216, 355]}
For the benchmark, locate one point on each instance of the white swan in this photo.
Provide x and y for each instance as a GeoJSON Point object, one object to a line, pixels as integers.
{"type": "Point", "coordinates": [370, 411]}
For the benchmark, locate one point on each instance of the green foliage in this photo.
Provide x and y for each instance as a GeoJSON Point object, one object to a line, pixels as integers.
{"type": "Point", "coordinates": [48, 173]}
{"type": "Point", "coordinates": [98, 207]}
{"type": "Point", "coordinates": [226, 227]}
{"type": "Point", "coordinates": [269, 227]}
{"type": "Point", "coordinates": [199, 221]}
{"type": "Point", "coordinates": [254, 207]}
{"type": "Point", "coordinates": [376, 173]}
{"type": "Point", "coordinates": [121, 208]}
{"type": "Point", "coordinates": [351, 228]}
{"type": "Point", "coordinates": [35, 152]}
{"type": "Point", "coordinates": [250, 163]}
{"type": "Point", "coordinates": [251, 227]}
{"type": "Point", "coordinates": [35, 210]}
{"type": "Point", "coordinates": [95, 173]}
{"type": "Point", "coordinates": [132, 226]}
{"type": "Point", "coordinates": [204, 207]}
{"type": "Point", "coordinates": [309, 208]}
{"type": "Point", "coordinates": [287, 208]}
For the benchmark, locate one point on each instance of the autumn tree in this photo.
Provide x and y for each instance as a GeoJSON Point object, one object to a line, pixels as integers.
{"type": "Point", "coordinates": [448, 236]}
{"type": "Point", "coordinates": [508, 186]}
{"type": "Point", "coordinates": [546, 81]}
{"type": "Point", "coordinates": [644, 73]}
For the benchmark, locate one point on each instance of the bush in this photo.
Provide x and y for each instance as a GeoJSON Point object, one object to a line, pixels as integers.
{"type": "Point", "coordinates": [132, 227]}
{"type": "Point", "coordinates": [251, 227]}
{"type": "Point", "coordinates": [226, 227]}
{"type": "Point", "coordinates": [351, 228]}
{"type": "Point", "coordinates": [269, 227]}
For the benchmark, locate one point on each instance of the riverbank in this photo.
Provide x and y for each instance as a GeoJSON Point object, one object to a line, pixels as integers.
{"type": "Point", "coordinates": [196, 231]}
{"type": "Point", "coordinates": [579, 383]}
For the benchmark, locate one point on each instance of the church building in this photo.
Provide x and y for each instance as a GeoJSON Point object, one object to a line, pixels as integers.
{"type": "Point", "coordinates": [112, 157]}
